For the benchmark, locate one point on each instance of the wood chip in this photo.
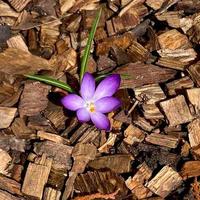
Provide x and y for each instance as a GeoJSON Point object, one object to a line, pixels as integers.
{"type": "Point", "coordinates": [136, 183]}
{"type": "Point", "coordinates": [173, 40]}
{"type": "Point", "coordinates": [194, 71]}
{"type": "Point", "coordinates": [155, 4]}
{"type": "Point", "coordinates": [140, 74]}
{"type": "Point", "coordinates": [51, 194]}
{"type": "Point", "coordinates": [178, 85]}
{"type": "Point", "coordinates": [165, 182]}
{"type": "Point", "coordinates": [190, 169]}
{"type": "Point", "coordinates": [108, 144]}
{"type": "Point", "coordinates": [194, 132]}
{"type": "Point", "coordinates": [6, 116]}
{"type": "Point", "coordinates": [52, 137]}
{"type": "Point", "coordinates": [176, 110]}
{"type": "Point", "coordinates": [194, 96]}
{"type": "Point", "coordinates": [5, 195]}
{"type": "Point", "coordinates": [91, 182]}
{"type": "Point", "coordinates": [122, 41]}
{"type": "Point", "coordinates": [24, 63]}
{"type": "Point", "coordinates": [20, 129]}
{"type": "Point", "coordinates": [18, 43]}
{"type": "Point", "coordinates": [35, 180]}
{"type": "Point", "coordinates": [133, 135]}
{"type": "Point", "coordinates": [5, 160]}
{"type": "Point", "coordinates": [6, 10]}
{"type": "Point", "coordinates": [19, 5]}
{"type": "Point", "coordinates": [33, 99]}
{"type": "Point", "coordinates": [162, 140]}
{"type": "Point", "coordinates": [110, 162]}
{"type": "Point", "coordinates": [10, 185]}
{"type": "Point", "coordinates": [60, 153]}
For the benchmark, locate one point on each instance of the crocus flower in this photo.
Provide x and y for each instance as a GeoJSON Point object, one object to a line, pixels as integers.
{"type": "Point", "coordinates": [93, 103]}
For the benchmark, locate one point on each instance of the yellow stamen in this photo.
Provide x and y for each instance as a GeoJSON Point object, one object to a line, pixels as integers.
{"type": "Point", "coordinates": [92, 107]}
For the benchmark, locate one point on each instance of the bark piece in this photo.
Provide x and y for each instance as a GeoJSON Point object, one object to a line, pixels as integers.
{"type": "Point", "coordinates": [136, 183]}
{"type": "Point", "coordinates": [112, 162]}
{"type": "Point", "coordinates": [150, 95]}
{"type": "Point", "coordinates": [194, 96]}
{"type": "Point", "coordinates": [52, 137]}
{"type": "Point", "coordinates": [89, 135]}
{"type": "Point", "coordinates": [124, 23]}
{"type": "Point", "coordinates": [6, 116]}
{"type": "Point", "coordinates": [137, 52]}
{"type": "Point", "coordinates": [10, 185]}
{"type": "Point", "coordinates": [19, 5]}
{"type": "Point", "coordinates": [155, 4]}
{"type": "Point", "coordinates": [173, 18]}
{"type": "Point", "coordinates": [65, 5]}
{"type": "Point", "coordinates": [121, 42]}
{"type": "Point", "coordinates": [15, 61]}
{"type": "Point", "coordinates": [51, 194]}
{"type": "Point", "coordinates": [6, 10]}
{"type": "Point", "coordinates": [66, 61]}
{"type": "Point", "coordinates": [140, 74]}
{"type": "Point", "coordinates": [60, 153]}
{"type": "Point", "coordinates": [173, 40]}
{"type": "Point", "coordinates": [133, 135]}
{"type": "Point", "coordinates": [35, 180]}
{"type": "Point", "coordinates": [108, 144]}
{"type": "Point", "coordinates": [5, 160]}
{"type": "Point", "coordinates": [33, 99]}
{"type": "Point", "coordinates": [20, 129]}
{"type": "Point", "coordinates": [56, 116]}
{"type": "Point", "coordinates": [143, 123]}
{"type": "Point", "coordinates": [194, 132]}
{"type": "Point", "coordinates": [18, 43]}
{"type": "Point", "coordinates": [194, 71]}
{"type": "Point", "coordinates": [176, 86]}
{"type": "Point", "coordinates": [190, 169]}
{"type": "Point", "coordinates": [104, 182]}
{"type": "Point", "coordinates": [171, 63]}
{"type": "Point", "coordinates": [82, 154]}
{"type": "Point", "coordinates": [49, 33]}
{"type": "Point", "coordinates": [162, 140]}
{"type": "Point", "coordinates": [183, 55]}
{"type": "Point", "coordinates": [5, 195]}
{"type": "Point", "coordinates": [176, 110]}
{"type": "Point", "coordinates": [165, 182]}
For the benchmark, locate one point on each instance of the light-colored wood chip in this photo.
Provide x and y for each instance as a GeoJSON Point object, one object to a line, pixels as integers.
{"type": "Point", "coordinates": [5, 160]}
{"type": "Point", "coordinates": [172, 40]}
{"type": "Point", "coordinates": [7, 115]}
{"type": "Point", "coordinates": [194, 132]}
{"type": "Point", "coordinates": [162, 140]}
{"type": "Point", "coordinates": [194, 98]}
{"type": "Point", "coordinates": [165, 182]}
{"type": "Point", "coordinates": [176, 110]}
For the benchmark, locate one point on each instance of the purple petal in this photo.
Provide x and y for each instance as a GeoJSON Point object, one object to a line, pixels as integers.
{"type": "Point", "coordinates": [107, 87]}
{"type": "Point", "coordinates": [72, 102]}
{"type": "Point", "coordinates": [107, 104]}
{"type": "Point", "coordinates": [83, 115]}
{"type": "Point", "coordinates": [87, 86]}
{"type": "Point", "coordinates": [100, 121]}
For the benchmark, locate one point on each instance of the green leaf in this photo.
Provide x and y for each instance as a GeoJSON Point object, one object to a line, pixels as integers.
{"type": "Point", "coordinates": [101, 76]}
{"type": "Point", "coordinates": [51, 81]}
{"type": "Point", "coordinates": [84, 60]}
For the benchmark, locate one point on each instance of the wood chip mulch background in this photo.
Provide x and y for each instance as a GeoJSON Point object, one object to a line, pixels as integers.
{"type": "Point", "coordinates": [153, 149]}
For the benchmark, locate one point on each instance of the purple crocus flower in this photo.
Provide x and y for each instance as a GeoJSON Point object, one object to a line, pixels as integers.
{"type": "Point", "coordinates": [93, 103]}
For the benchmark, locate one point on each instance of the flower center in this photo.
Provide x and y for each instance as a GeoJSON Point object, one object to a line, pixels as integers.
{"type": "Point", "coordinates": [90, 106]}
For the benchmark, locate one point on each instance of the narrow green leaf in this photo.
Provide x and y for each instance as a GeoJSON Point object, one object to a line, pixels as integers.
{"type": "Point", "coordinates": [51, 81]}
{"type": "Point", "coordinates": [84, 60]}
{"type": "Point", "coordinates": [101, 76]}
